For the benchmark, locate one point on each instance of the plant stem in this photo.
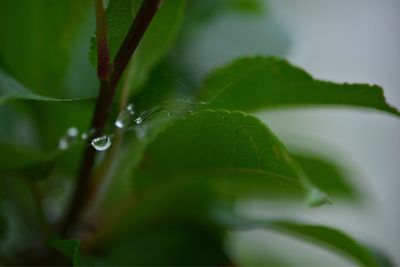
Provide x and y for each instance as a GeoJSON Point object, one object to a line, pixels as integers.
{"type": "Point", "coordinates": [108, 86]}
{"type": "Point", "coordinates": [104, 66]}
{"type": "Point", "coordinates": [101, 175]}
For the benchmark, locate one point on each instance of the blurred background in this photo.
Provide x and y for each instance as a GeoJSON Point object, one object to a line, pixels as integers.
{"type": "Point", "coordinates": [343, 41]}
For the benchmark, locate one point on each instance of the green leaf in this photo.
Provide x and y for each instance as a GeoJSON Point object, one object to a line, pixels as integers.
{"type": "Point", "coordinates": [156, 42]}
{"type": "Point", "coordinates": [22, 213]}
{"type": "Point", "coordinates": [326, 175]}
{"type": "Point", "coordinates": [248, 6]}
{"type": "Point", "coordinates": [12, 89]}
{"type": "Point", "coordinates": [31, 134]}
{"type": "Point", "coordinates": [231, 148]}
{"type": "Point", "coordinates": [52, 119]}
{"type": "Point", "coordinates": [13, 157]}
{"type": "Point", "coordinates": [187, 227]}
{"type": "Point", "coordinates": [36, 40]}
{"type": "Point", "coordinates": [382, 257]}
{"type": "Point", "coordinates": [250, 84]}
{"type": "Point", "coordinates": [328, 237]}
{"type": "Point", "coordinates": [26, 161]}
{"type": "Point", "coordinates": [70, 248]}
{"type": "Point", "coordinates": [201, 11]}
{"type": "Point", "coordinates": [172, 243]}
{"type": "Point", "coordinates": [322, 235]}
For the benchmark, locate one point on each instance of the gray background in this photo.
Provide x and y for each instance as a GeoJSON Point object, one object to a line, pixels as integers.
{"type": "Point", "coordinates": [343, 41]}
{"type": "Point", "coordinates": [353, 41]}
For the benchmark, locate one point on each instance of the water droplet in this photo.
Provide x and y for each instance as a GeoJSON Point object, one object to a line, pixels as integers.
{"type": "Point", "coordinates": [141, 131]}
{"type": "Point", "coordinates": [129, 107]}
{"type": "Point", "coordinates": [87, 134]}
{"type": "Point", "coordinates": [70, 136]}
{"type": "Point", "coordinates": [125, 117]}
{"type": "Point", "coordinates": [63, 144]}
{"type": "Point", "coordinates": [146, 114]}
{"type": "Point", "coordinates": [72, 132]}
{"type": "Point", "coordinates": [101, 143]}
{"type": "Point", "coordinates": [84, 136]}
{"type": "Point", "coordinates": [139, 120]}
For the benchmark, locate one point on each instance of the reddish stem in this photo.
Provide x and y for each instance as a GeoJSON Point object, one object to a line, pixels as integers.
{"type": "Point", "coordinates": [108, 86]}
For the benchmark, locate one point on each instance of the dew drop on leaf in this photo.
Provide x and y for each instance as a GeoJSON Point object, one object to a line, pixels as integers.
{"type": "Point", "coordinates": [63, 144]}
{"type": "Point", "coordinates": [125, 117]}
{"type": "Point", "coordinates": [139, 120]}
{"type": "Point", "coordinates": [146, 114]}
{"type": "Point", "coordinates": [101, 143]}
{"type": "Point", "coordinates": [69, 137]}
{"type": "Point", "coordinates": [87, 134]}
{"type": "Point", "coordinates": [72, 132]}
{"type": "Point", "coordinates": [129, 107]}
{"type": "Point", "coordinates": [141, 131]}
{"type": "Point", "coordinates": [84, 136]}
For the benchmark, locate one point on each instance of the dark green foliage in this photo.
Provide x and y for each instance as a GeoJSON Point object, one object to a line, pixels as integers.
{"type": "Point", "coordinates": [220, 145]}
{"type": "Point", "coordinates": [250, 84]}
{"type": "Point", "coordinates": [321, 235]}
{"type": "Point", "coordinates": [12, 89]}
{"type": "Point", "coordinates": [168, 182]}
{"type": "Point", "coordinates": [69, 248]}
{"type": "Point", "coordinates": [329, 237]}
{"type": "Point", "coordinates": [326, 175]}
{"type": "Point", "coordinates": [35, 40]}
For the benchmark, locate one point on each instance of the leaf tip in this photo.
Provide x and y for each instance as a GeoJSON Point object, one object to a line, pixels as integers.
{"type": "Point", "coordinates": [317, 198]}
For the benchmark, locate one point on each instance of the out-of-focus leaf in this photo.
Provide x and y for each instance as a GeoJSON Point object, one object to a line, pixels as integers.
{"type": "Point", "coordinates": [326, 175]}
{"type": "Point", "coordinates": [3, 222]}
{"type": "Point", "coordinates": [12, 89]}
{"type": "Point", "coordinates": [53, 119]}
{"type": "Point", "coordinates": [248, 6]}
{"type": "Point", "coordinates": [35, 41]}
{"type": "Point", "coordinates": [158, 228]}
{"type": "Point", "coordinates": [321, 235]}
{"type": "Point", "coordinates": [230, 148]}
{"type": "Point", "coordinates": [26, 162]}
{"type": "Point", "coordinates": [13, 157]}
{"type": "Point", "coordinates": [16, 126]}
{"type": "Point", "coordinates": [171, 244]}
{"type": "Point", "coordinates": [205, 45]}
{"type": "Point", "coordinates": [33, 150]}
{"type": "Point", "coordinates": [157, 40]}
{"type": "Point", "coordinates": [329, 237]}
{"type": "Point", "coordinates": [250, 84]}
{"type": "Point", "coordinates": [382, 257]}
{"type": "Point", "coordinates": [20, 207]}
{"type": "Point", "coordinates": [70, 248]}
{"type": "Point", "coordinates": [201, 11]}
